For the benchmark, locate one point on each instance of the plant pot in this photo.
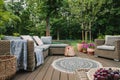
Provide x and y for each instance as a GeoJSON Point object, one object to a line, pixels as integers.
{"type": "Point", "coordinates": [79, 47]}
{"type": "Point", "coordinates": [90, 51]}
{"type": "Point", "coordinates": [84, 50]}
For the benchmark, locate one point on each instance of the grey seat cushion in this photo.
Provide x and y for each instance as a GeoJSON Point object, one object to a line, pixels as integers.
{"type": "Point", "coordinates": [44, 47]}
{"type": "Point", "coordinates": [58, 45]}
{"type": "Point", "coordinates": [106, 47]}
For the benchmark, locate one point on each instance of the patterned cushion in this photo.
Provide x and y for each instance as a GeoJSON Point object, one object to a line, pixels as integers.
{"type": "Point", "coordinates": [110, 40]}
{"type": "Point", "coordinates": [38, 40]}
{"type": "Point", "coordinates": [27, 37]}
{"type": "Point", "coordinates": [46, 39]}
{"type": "Point", "coordinates": [105, 47]}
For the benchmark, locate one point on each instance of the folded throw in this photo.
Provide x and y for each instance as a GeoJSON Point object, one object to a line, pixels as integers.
{"type": "Point", "coordinates": [19, 49]}
{"type": "Point", "coordinates": [39, 56]}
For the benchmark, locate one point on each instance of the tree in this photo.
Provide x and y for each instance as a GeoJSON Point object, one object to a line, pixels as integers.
{"type": "Point", "coordinates": [48, 9]}
{"type": "Point", "coordinates": [6, 18]}
{"type": "Point", "coordinates": [86, 11]}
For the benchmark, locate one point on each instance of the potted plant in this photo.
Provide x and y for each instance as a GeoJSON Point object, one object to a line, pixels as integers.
{"type": "Point", "coordinates": [84, 48]}
{"type": "Point", "coordinates": [90, 49]}
{"type": "Point", "coordinates": [80, 46]}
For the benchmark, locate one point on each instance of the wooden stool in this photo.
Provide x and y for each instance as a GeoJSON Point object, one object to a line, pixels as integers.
{"type": "Point", "coordinates": [69, 51]}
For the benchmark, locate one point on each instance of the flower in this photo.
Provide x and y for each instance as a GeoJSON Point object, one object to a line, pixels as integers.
{"type": "Point", "coordinates": [85, 46]}
{"type": "Point", "coordinates": [91, 45]}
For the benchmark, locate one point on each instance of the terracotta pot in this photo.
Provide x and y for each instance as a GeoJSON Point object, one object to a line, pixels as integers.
{"type": "Point", "coordinates": [90, 51]}
{"type": "Point", "coordinates": [79, 47]}
{"type": "Point", "coordinates": [84, 50]}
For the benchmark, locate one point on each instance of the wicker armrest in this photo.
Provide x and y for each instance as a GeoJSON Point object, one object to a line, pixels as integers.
{"type": "Point", "coordinates": [117, 44]}
{"type": "Point", "coordinates": [117, 47]}
{"type": "Point", "coordinates": [30, 56]}
{"type": "Point", "coordinates": [99, 42]}
{"type": "Point", "coordinates": [4, 47]}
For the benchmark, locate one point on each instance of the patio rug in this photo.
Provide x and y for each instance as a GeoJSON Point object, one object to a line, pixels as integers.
{"type": "Point", "coordinates": [70, 64]}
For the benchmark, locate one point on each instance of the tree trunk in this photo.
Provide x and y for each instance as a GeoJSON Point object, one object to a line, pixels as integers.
{"type": "Point", "coordinates": [58, 36]}
{"type": "Point", "coordinates": [90, 31]}
{"type": "Point", "coordinates": [86, 35]}
{"type": "Point", "coordinates": [83, 38]}
{"type": "Point", "coordinates": [47, 27]}
{"type": "Point", "coordinates": [83, 35]}
{"type": "Point", "coordinates": [90, 36]}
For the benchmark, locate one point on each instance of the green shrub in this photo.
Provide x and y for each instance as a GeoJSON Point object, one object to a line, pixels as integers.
{"type": "Point", "coordinates": [16, 34]}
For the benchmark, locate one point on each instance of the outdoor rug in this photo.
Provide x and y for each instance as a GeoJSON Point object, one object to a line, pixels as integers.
{"type": "Point", "coordinates": [70, 64]}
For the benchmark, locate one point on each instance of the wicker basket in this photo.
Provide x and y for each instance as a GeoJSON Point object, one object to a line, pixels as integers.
{"type": "Point", "coordinates": [7, 66]}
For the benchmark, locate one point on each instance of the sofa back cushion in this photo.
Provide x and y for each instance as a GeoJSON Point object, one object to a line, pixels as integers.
{"type": "Point", "coordinates": [38, 40]}
{"type": "Point", "coordinates": [11, 38]}
{"type": "Point", "coordinates": [46, 39]}
{"type": "Point", "coordinates": [27, 37]}
{"type": "Point", "coordinates": [110, 40]}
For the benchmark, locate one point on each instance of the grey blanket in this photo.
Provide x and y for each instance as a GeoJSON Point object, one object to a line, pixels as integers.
{"type": "Point", "coordinates": [39, 56]}
{"type": "Point", "coordinates": [19, 49]}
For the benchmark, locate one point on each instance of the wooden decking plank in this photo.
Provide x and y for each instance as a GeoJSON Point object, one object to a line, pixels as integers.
{"type": "Point", "coordinates": [34, 73]}
{"type": "Point", "coordinates": [28, 75]}
{"type": "Point", "coordinates": [63, 76]}
{"type": "Point", "coordinates": [22, 76]}
{"type": "Point", "coordinates": [56, 75]}
{"type": "Point", "coordinates": [71, 76]}
{"type": "Point", "coordinates": [43, 71]}
{"type": "Point", "coordinates": [49, 73]}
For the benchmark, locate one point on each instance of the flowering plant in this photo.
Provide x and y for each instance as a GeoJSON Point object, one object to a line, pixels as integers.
{"type": "Point", "coordinates": [85, 46]}
{"type": "Point", "coordinates": [91, 45]}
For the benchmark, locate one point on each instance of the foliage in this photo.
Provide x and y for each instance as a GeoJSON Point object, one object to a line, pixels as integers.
{"type": "Point", "coordinates": [6, 18]}
{"type": "Point", "coordinates": [64, 19]}
{"type": "Point", "coordinates": [16, 34]}
{"type": "Point", "coordinates": [1, 36]}
{"type": "Point", "coordinates": [100, 36]}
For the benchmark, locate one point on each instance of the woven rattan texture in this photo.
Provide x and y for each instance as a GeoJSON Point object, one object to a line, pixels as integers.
{"type": "Point", "coordinates": [4, 47]}
{"type": "Point", "coordinates": [30, 56]}
{"type": "Point", "coordinates": [7, 67]}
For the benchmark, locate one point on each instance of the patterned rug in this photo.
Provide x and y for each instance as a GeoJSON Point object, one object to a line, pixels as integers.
{"type": "Point", "coordinates": [70, 64]}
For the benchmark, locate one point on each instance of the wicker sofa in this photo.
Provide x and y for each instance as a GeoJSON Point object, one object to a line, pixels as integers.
{"type": "Point", "coordinates": [106, 51]}
{"type": "Point", "coordinates": [31, 59]}
{"type": "Point", "coordinates": [5, 49]}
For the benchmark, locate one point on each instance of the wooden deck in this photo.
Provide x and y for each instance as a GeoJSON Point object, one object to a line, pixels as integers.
{"type": "Point", "coordinates": [47, 72]}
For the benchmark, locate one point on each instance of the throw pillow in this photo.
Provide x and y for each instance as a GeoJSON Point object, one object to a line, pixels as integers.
{"type": "Point", "coordinates": [38, 40]}
{"type": "Point", "coordinates": [110, 40]}
{"type": "Point", "coordinates": [46, 39]}
{"type": "Point", "coordinates": [27, 37]}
